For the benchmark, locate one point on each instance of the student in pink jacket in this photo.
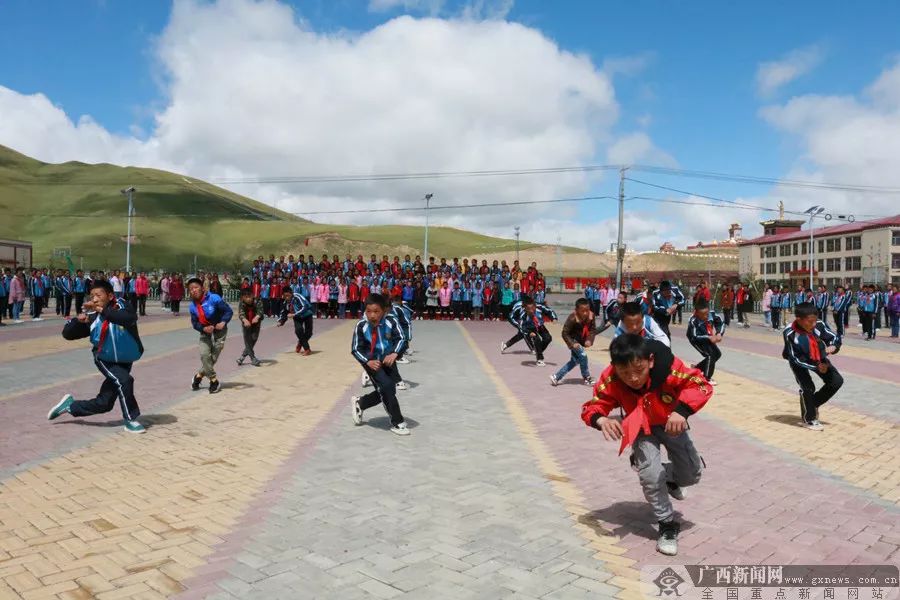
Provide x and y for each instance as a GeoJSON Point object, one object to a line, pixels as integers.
{"type": "Point", "coordinates": [322, 298]}
{"type": "Point", "coordinates": [444, 296]}
{"type": "Point", "coordinates": [342, 299]}
{"type": "Point", "coordinates": [17, 295]}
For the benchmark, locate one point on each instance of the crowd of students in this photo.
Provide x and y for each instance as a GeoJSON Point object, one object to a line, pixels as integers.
{"type": "Point", "coordinates": [439, 290]}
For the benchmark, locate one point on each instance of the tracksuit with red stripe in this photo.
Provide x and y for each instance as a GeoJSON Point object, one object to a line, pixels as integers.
{"type": "Point", "coordinates": [806, 353]}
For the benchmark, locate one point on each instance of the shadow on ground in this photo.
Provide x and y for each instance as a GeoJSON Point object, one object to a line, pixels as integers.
{"type": "Point", "coordinates": [635, 518]}
{"type": "Point", "coordinates": [385, 423]}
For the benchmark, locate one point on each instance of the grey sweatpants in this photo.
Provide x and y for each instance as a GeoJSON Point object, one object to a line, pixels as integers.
{"type": "Point", "coordinates": [684, 469]}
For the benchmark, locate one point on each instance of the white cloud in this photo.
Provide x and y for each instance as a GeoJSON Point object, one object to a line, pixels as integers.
{"type": "Point", "coordinates": [628, 65]}
{"type": "Point", "coordinates": [771, 76]}
{"type": "Point", "coordinates": [251, 91]}
{"type": "Point", "coordinates": [473, 10]}
{"type": "Point", "coordinates": [635, 148]}
{"type": "Point", "coordinates": [845, 139]}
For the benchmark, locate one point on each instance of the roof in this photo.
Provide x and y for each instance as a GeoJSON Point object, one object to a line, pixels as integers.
{"type": "Point", "coordinates": [825, 231]}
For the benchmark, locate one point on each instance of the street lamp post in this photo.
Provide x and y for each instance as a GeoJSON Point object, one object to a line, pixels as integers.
{"type": "Point", "coordinates": [517, 243]}
{"type": "Point", "coordinates": [812, 211]}
{"type": "Point", "coordinates": [428, 198]}
{"type": "Point", "coordinates": [130, 193]}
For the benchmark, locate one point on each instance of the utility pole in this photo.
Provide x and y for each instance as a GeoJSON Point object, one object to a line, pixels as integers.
{"type": "Point", "coordinates": [559, 259]}
{"type": "Point", "coordinates": [517, 243]}
{"type": "Point", "coordinates": [130, 193]}
{"type": "Point", "coordinates": [428, 198]}
{"type": "Point", "coordinates": [620, 248]}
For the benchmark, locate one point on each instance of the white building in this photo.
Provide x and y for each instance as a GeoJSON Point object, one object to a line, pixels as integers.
{"type": "Point", "coordinates": [848, 254]}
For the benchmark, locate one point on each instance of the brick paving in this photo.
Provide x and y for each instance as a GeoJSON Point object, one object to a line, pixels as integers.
{"type": "Point", "coordinates": [268, 491]}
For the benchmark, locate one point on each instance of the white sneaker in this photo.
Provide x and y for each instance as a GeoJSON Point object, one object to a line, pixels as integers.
{"type": "Point", "coordinates": [37, 319]}
{"type": "Point", "coordinates": [356, 411]}
{"type": "Point", "coordinates": [17, 321]}
{"type": "Point", "coordinates": [400, 429]}
{"type": "Point", "coordinates": [589, 381]}
{"type": "Point", "coordinates": [541, 363]}
{"type": "Point", "coordinates": [364, 380]}
{"type": "Point", "coordinates": [401, 386]}
{"type": "Point", "coordinates": [713, 382]}
{"type": "Point", "coordinates": [668, 539]}
{"type": "Point", "coordinates": [553, 380]}
{"type": "Point", "coordinates": [814, 425]}
{"type": "Point", "coordinates": [503, 347]}
{"type": "Point", "coordinates": [403, 361]}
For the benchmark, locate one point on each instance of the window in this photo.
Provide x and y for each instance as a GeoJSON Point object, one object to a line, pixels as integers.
{"type": "Point", "coordinates": [833, 245]}
{"type": "Point", "coordinates": [853, 263]}
{"type": "Point", "coordinates": [895, 238]}
{"type": "Point", "coordinates": [771, 252]}
{"type": "Point", "coordinates": [784, 250]}
{"type": "Point", "coordinates": [833, 264]}
{"type": "Point", "coordinates": [854, 243]}
{"type": "Point", "coordinates": [784, 267]}
{"type": "Point", "coordinates": [770, 268]}
{"type": "Point", "coordinates": [805, 249]}
{"type": "Point", "coordinates": [822, 264]}
{"type": "Point", "coordinates": [795, 264]}
{"type": "Point", "coordinates": [762, 252]}
{"type": "Point", "coordinates": [821, 246]}
{"type": "Point", "coordinates": [796, 248]}
{"type": "Point", "coordinates": [895, 261]}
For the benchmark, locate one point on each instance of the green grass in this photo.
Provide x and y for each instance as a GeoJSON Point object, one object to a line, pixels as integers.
{"type": "Point", "coordinates": [80, 206]}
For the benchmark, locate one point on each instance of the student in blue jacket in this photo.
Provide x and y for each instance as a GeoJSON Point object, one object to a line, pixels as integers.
{"type": "Point", "coordinates": [111, 325]}
{"type": "Point", "coordinates": [210, 315]}
{"type": "Point", "coordinates": [378, 341]}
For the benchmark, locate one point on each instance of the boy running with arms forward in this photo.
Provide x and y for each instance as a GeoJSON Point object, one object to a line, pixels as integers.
{"type": "Point", "coordinates": [658, 393]}
{"type": "Point", "coordinates": [112, 327]}
{"type": "Point", "coordinates": [377, 342]}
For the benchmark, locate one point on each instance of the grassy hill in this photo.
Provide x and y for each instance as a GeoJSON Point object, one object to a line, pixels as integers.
{"type": "Point", "coordinates": [80, 206]}
{"type": "Point", "coordinates": [178, 219]}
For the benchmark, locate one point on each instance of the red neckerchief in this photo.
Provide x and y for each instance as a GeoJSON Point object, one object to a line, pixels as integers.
{"type": "Point", "coordinates": [250, 313]}
{"type": "Point", "coordinates": [814, 354]}
{"type": "Point", "coordinates": [636, 421]}
{"type": "Point", "coordinates": [537, 323]}
{"type": "Point", "coordinates": [374, 341]}
{"type": "Point", "coordinates": [585, 331]}
{"type": "Point", "coordinates": [201, 316]}
{"type": "Point", "coordinates": [104, 329]}
{"type": "Point", "coordinates": [709, 328]}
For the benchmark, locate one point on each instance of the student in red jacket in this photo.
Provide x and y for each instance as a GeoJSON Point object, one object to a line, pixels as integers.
{"type": "Point", "coordinates": [658, 393]}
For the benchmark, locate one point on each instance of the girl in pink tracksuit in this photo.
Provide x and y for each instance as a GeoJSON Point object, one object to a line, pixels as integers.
{"type": "Point", "coordinates": [444, 296]}
{"type": "Point", "coordinates": [322, 298]}
{"type": "Point", "coordinates": [342, 299]}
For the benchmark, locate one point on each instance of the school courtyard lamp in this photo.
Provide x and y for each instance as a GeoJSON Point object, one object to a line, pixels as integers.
{"type": "Point", "coordinates": [428, 198]}
{"type": "Point", "coordinates": [129, 191]}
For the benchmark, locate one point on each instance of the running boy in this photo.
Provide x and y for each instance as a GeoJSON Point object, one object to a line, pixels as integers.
{"type": "Point", "coordinates": [250, 312]}
{"type": "Point", "coordinates": [705, 330]}
{"type": "Point", "coordinates": [377, 342]}
{"type": "Point", "coordinates": [635, 321]}
{"type": "Point", "coordinates": [807, 344]}
{"type": "Point", "coordinates": [657, 393]}
{"type": "Point", "coordinates": [302, 310]}
{"type": "Point", "coordinates": [578, 333]}
{"type": "Point", "coordinates": [210, 315]}
{"type": "Point", "coordinates": [533, 327]}
{"type": "Point", "coordinates": [111, 325]}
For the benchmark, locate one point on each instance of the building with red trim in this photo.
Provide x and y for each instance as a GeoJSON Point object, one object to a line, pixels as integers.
{"type": "Point", "coordinates": [848, 254]}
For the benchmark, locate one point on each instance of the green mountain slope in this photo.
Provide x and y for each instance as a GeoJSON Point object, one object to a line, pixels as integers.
{"type": "Point", "coordinates": [178, 219]}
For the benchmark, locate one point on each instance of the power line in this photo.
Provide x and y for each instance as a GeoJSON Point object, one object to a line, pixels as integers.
{"type": "Point", "coordinates": [255, 217]}
{"type": "Point", "coordinates": [753, 179]}
{"type": "Point", "coordinates": [452, 206]}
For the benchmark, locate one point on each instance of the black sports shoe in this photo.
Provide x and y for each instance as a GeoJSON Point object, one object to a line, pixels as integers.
{"type": "Point", "coordinates": [195, 382]}
{"type": "Point", "coordinates": [214, 386]}
{"type": "Point", "coordinates": [668, 538]}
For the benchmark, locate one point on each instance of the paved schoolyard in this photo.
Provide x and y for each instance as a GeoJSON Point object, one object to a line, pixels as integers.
{"type": "Point", "coordinates": [267, 490]}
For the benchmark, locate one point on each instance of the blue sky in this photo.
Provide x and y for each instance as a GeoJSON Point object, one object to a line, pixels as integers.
{"type": "Point", "coordinates": [692, 86]}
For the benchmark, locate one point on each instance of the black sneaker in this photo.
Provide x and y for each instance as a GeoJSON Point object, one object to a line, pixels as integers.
{"type": "Point", "coordinates": [196, 381]}
{"type": "Point", "coordinates": [668, 538]}
{"type": "Point", "coordinates": [214, 386]}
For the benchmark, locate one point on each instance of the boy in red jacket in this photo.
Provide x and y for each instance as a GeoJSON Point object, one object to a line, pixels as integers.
{"type": "Point", "coordinates": [657, 393]}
